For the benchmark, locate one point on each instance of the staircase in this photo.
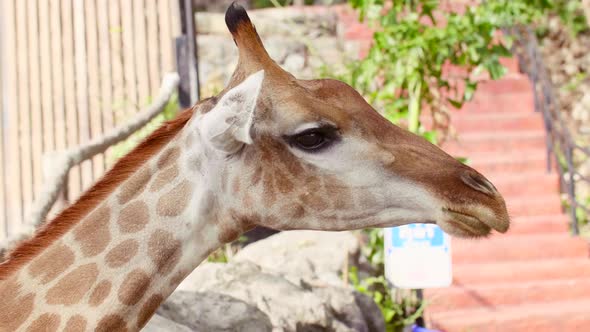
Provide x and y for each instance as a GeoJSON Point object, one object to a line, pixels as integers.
{"type": "Point", "coordinates": [536, 277]}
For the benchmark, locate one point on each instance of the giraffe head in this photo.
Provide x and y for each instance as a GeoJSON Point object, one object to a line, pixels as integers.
{"type": "Point", "coordinates": [312, 154]}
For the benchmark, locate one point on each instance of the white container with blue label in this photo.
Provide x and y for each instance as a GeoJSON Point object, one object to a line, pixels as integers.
{"type": "Point", "coordinates": [418, 256]}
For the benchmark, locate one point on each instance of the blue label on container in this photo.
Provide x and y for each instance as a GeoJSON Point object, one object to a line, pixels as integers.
{"type": "Point", "coordinates": [417, 234]}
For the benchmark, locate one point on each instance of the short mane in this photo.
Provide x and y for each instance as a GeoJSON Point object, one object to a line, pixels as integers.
{"type": "Point", "coordinates": [122, 170]}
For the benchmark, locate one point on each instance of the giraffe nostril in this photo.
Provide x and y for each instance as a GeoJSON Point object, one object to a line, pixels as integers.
{"type": "Point", "coordinates": [479, 183]}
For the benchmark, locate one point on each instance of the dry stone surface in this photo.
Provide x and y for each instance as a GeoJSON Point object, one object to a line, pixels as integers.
{"type": "Point", "coordinates": [294, 285]}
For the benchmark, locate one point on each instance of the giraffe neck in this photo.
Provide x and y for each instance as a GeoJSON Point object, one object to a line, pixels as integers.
{"type": "Point", "coordinates": [115, 266]}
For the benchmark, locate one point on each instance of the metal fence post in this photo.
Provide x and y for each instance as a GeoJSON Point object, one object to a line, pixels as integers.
{"type": "Point", "coordinates": [187, 57]}
{"type": "Point", "coordinates": [571, 189]}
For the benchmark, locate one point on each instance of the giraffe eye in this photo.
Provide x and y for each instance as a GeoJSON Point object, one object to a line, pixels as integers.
{"type": "Point", "coordinates": [310, 141]}
{"type": "Point", "coordinates": [314, 139]}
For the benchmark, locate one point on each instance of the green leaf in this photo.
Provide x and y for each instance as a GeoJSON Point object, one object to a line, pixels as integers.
{"type": "Point", "coordinates": [463, 160]}
{"type": "Point", "coordinates": [456, 103]}
{"type": "Point", "coordinates": [431, 137]}
{"type": "Point", "coordinates": [470, 88]}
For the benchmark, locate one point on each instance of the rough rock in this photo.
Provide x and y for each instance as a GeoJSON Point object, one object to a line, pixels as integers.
{"type": "Point", "coordinates": [310, 255]}
{"type": "Point", "coordinates": [304, 306]}
{"type": "Point", "coordinates": [162, 324]}
{"type": "Point", "coordinates": [202, 278]}
{"type": "Point", "coordinates": [210, 311]}
{"type": "Point", "coordinates": [295, 283]}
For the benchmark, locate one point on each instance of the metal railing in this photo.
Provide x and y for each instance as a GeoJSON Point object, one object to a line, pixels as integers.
{"type": "Point", "coordinates": [562, 149]}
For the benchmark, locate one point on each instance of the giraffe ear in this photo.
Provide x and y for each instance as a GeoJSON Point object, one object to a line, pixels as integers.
{"type": "Point", "coordinates": [227, 126]}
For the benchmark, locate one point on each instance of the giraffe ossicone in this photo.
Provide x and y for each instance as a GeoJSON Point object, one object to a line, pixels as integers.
{"type": "Point", "coordinates": [269, 150]}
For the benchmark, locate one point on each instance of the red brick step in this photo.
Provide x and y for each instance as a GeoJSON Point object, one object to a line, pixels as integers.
{"type": "Point", "coordinates": [558, 223]}
{"type": "Point", "coordinates": [509, 84]}
{"type": "Point", "coordinates": [533, 205]}
{"type": "Point", "coordinates": [503, 103]}
{"type": "Point", "coordinates": [512, 293]}
{"type": "Point", "coordinates": [496, 142]}
{"type": "Point", "coordinates": [521, 161]}
{"type": "Point", "coordinates": [537, 317]}
{"type": "Point", "coordinates": [521, 271]}
{"type": "Point", "coordinates": [465, 122]}
{"type": "Point", "coordinates": [509, 247]}
{"type": "Point", "coordinates": [524, 183]}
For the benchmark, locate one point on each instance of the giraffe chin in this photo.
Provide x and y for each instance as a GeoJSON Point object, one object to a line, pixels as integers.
{"type": "Point", "coordinates": [461, 224]}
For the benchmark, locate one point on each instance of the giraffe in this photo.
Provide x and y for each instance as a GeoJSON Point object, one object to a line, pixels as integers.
{"type": "Point", "coordinates": [269, 150]}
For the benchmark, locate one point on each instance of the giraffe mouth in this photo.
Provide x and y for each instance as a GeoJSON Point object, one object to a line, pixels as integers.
{"type": "Point", "coordinates": [464, 224]}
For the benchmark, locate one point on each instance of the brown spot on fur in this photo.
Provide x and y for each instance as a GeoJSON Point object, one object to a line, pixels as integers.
{"type": "Point", "coordinates": [135, 185]}
{"type": "Point", "coordinates": [45, 323]}
{"type": "Point", "coordinates": [164, 177]}
{"type": "Point", "coordinates": [266, 154]}
{"type": "Point", "coordinates": [100, 293]}
{"type": "Point", "coordinates": [343, 199]}
{"type": "Point", "coordinates": [168, 157]}
{"type": "Point", "coordinates": [284, 185]}
{"type": "Point", "coordinates": [75, 324]}
{"type": "Point", "coordinates": [73, 286]}
{"type": "Point", "coordinates": [93, 234]}
{"type": "Point", "coordinates": [296, 211]}
{"type": "Point", "coordinates": [313, 184]}
{"type": "Point", "coordinates": [291, 163]}
{"type": "Point", "coordinates": [51, 263]}
{"type": "Point", "coordinates": [176, 200]}
{"type": "Point", "coordinates": [111, 181]}
{"type": "Point", "coordinates": [269, 191]}
{"type": "Point", "coordinates": [148, 309]}
{"type": "Point", "coordinates": [133, 217]}
{"type": "Point", "coordinates": [134, 286]}
{"type": "Point", "coordinates": [15, 307]}
{"type": "Point", "coordinates": [111, 323]}
{"type": "Point", "coordinates": [315, 202]}
{"type": "Point", "coordinates": [122, 253]}
{"type": "Point", "coordinates": [164, 250]}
